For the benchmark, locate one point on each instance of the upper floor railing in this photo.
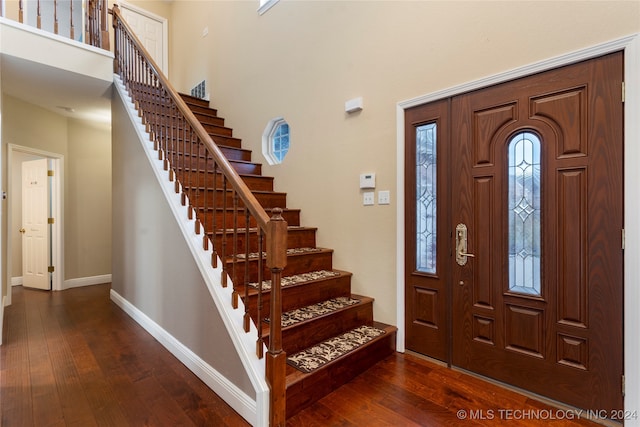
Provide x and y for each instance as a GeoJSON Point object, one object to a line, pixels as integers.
{"type": "Point", "coordinates": [63, 17]}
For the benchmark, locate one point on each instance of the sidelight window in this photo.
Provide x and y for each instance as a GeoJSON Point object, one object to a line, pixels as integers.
{"type": "Point", "coordinates": [426, 186]}
{"type": "Point", "coordinates": [524, 213]}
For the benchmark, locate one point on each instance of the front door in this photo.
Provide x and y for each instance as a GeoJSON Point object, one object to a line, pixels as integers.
{"type": "Point", "coordinates": [536, 217]}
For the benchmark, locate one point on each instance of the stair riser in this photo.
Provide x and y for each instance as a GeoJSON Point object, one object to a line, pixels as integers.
{"type": "Point", "coordinates": [179, 130]}
{"type": "Point", "coordinates": [196, 147]}
{"type": "Point", "coordinates": [297, 338]}
{"type": "Point", "coordinates": [302, 295]}
{"type": "Point", "coordinates": [301, 238]}
{"type": "Point", "coordinates": [209, 119]}
{"type": "Point", "coordinates": [192, 100]}
{"type": "Point", "coordinates": [201, 163]}
{"type": "Point", "coordinates": [232, 153]}
{"type": "Point", "coordinates": [323, 381]}
{"type": "Point", "coordinates": [202, 109]}
{"type": "Point", "coordinates": [220, 140]}
{"type": "Point", "coordinates": [206, 199]}
{"type": "Point", "coordinates": [226, 221]}
{"type": "Point", "coordinates": [295, 265]}
{"type": "Point", "coordinates": [199, 179]}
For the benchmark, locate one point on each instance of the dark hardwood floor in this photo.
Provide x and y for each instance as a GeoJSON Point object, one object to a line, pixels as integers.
{"type": "Point", "coordinates": [73, 358]}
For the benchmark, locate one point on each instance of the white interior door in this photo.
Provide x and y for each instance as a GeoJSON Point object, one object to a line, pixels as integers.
{"type": "Point", "coordinates": [151, 30]}
{"type": "Point", "coordinates": [35, 227]}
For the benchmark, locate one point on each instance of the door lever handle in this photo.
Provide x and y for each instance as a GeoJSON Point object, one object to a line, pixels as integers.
{"type": "Point", "coordinates": [461, 245]}
{"type": "Point", "coordinates": [22, 230]}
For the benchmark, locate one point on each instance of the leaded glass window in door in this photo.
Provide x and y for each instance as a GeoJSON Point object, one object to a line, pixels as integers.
{"type": "Point", "coordinates": [524, 213]}
{"type": "Point", "coordinates": [426, 201]}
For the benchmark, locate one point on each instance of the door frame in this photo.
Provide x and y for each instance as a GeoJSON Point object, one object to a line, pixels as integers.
{"type": "Point", "coordinates": [57, 195]}
{"type": "Point", "coordinates": [630, 45]}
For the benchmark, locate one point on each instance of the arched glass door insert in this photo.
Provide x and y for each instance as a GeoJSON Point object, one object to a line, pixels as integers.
{"type": "Point", "coordinates": [524, 213]}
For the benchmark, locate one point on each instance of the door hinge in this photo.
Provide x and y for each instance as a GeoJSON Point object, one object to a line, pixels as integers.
{"type": "Point", "coordinates": [51, 269]}
{"type": "Point", "coordinates": [50, 220]}
{"type": "Point", "coordinates": [624, 94]}
{"type": "Point", "coordinates": [623, 385]}
{"type": "Point", "coordinates": [49, 173]}
{"type": "Point", "coordinates": [623, 239]}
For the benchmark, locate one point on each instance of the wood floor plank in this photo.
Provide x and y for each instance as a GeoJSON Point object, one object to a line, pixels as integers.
{"type": "Point", "coordinates": [73, 358]}
{"type": "Point", "coordinates": [17, 407]}
{"type": "Point", "coordinates": [46, 402]}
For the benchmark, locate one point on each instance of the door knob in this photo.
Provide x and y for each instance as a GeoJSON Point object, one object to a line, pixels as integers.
{"type": "Point", "coordinates": [461, 245]}
{"type": "Point", "coordinates": [22, 230]}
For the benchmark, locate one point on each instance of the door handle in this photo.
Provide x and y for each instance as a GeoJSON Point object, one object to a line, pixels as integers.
{"type": "Point", "coordinates": [461, 245]}
{"type": "Point", "coordinates": [22, 230]}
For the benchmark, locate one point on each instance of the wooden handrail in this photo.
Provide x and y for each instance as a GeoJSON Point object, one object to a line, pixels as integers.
{"type": "Point", "coordinates": [179, 138]}
{"type": "Point", "coordinates": [96, 26]}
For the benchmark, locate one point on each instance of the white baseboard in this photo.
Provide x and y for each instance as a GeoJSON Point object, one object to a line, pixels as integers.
{"type": "Point", "coordinates": [86, 281]}
{"type": "Point", "coordinates": [236, 398]}
{"type": "Point", "coordinates": [16, 281]}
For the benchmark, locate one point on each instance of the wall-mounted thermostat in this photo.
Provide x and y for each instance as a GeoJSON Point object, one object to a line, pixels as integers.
{"type": "Point", "coordinates": [368, 180]}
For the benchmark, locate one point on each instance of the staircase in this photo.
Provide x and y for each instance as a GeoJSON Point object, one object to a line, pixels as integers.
{"type": "Point", "coordinates": [317, 302]}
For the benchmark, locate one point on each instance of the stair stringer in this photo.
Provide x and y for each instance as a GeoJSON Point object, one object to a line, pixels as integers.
{"type": "Point", "coordinates": [255, 411]}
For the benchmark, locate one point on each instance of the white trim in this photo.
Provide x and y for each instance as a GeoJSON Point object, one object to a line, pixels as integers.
{"type": "Point", "coordinates": [244, 343]}
{"type": "Point", "coordinates": [631, 47]}
{"type": "Point", "coordinates": [212, 378]}
{"type": "Point", "coordinates": [165, 31]}
{"type": "Point", "coordinates": [16, 281]}
{"type": "Point", "coordinates": [266, 5]}
{"type": "Point", "coordinates": [43, 33]}
{"type": "Point", "coordinates": [57, 235]}
{"type": "Point", "coordinates": [86, 281]}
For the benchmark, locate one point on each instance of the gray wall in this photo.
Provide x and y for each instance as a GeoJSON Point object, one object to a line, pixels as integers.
{"type": "Point", "coordinates": [153, 267]}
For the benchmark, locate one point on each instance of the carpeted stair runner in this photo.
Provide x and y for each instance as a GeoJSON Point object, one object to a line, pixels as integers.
{"type": "Point", "coordinates": [298, 278]}
{"type": "Point", "coordinates": [320, 354]}
{"type": "Point", "coordinates": [291, 251]}
{"type": "Point", "coordinates": [311, 311]}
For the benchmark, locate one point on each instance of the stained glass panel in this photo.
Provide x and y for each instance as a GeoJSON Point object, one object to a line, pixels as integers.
{"type": "Point", "coordinates": [524, 213]}
{"type": "Point", "coordinates": [426, 174]}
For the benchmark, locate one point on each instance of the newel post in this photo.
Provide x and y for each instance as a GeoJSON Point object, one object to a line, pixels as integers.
{"type": "Point", "coordinates": [276, 363]}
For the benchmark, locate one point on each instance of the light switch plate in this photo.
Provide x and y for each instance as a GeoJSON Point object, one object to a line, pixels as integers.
{"type": "Point", "coordinates": [368, 198]}
{"type": "Point", "coordinates": [384, 197]}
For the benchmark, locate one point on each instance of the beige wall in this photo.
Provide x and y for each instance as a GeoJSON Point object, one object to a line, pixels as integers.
{"type": "Point", "coordinates": [88, 200]}
{"type": "Point", "coordinates": [86, 148]}
{"type": "Point", "coordinates": [303, 59]}
{"type": "Point", "coordinates": [153, 267]}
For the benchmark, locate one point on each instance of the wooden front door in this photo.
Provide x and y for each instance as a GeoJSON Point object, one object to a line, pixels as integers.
{"type": "Point", "coordinates": [536, 218]}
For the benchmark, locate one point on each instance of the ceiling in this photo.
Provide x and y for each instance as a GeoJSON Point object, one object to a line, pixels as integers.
{"type": "Point", "coordinates": [60, 91]}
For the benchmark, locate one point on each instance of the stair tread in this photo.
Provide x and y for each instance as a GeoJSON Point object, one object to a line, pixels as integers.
{"type": "Point", "coordinates": [290, 228]}
{"type": "Point", "coordinates": [229, 190]}
{"type": "Point", "coordinates": [295, 375]}
{"type": "Point", "coordinates": [290, 252]}
{"type": "Point", "coordinates": [317, 311]}
{"type": "Point", "coordinates": [298, 279]}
